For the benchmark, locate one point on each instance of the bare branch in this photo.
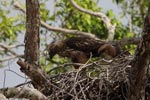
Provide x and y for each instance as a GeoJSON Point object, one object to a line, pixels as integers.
{"type": "Point", "coordinates": [23, 92]}
{"type": "Point", "coordinates": [10, 47]}
{"type": "Point", "coordinates": [66, 31]}
{"type": "Point", "coordinates": [2, 97]}
{"type": "Point", "coordinates": [11, 57]}
{"type": "Point", "coordinates": [127, 41]}
{"type": "Point", "coordinates": [105, 19]}
{"type": "Point", "coordinates": [18, 6]}
{"type": "Point", "coordinates": [55, 29]}
{"type": "Point", "coordinates": [37, 75]}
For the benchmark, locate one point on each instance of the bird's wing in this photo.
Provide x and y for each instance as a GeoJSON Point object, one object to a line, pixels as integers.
{"type": "Point", "coordinates": [83, 43]}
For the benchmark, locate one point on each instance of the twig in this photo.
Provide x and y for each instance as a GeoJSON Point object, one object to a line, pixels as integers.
{"type": "Point", "coordinates": [7, 48]}
{"type": "Point", "coordinates": [11, 57]}
{"type": "Point", "coordinates": [10, 47]}
{"type": "Point", "coordinates": [64, 65]}
{"type": "Point", "coordinates": [127, 41]}
{"type": "Point", "coordinates": [23, 84]}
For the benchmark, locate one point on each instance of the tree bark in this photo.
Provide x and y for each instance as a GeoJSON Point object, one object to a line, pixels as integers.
{"type": "Point", "coordinates": [137, 75]}
{"type": "Point", "coordinates": [32, 31]}
{"type": "Point", "coordinates": [31, 65]}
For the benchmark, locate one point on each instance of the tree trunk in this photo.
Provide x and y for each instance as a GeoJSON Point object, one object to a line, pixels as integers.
{"type": "Point", "coordinates": [137, 75]}
{"type": "Point", "coordinates": [32, 31]}
{"type": "Point", "coordinates": [31, 65]}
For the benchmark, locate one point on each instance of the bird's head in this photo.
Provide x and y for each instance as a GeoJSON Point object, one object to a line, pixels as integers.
{"type": "Point", "coordinates": [107, 51]}
{"type": "Point", "coordinates": [55, 48]}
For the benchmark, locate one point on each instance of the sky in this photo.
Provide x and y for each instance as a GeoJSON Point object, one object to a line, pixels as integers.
{"type": "Point", "coordinates": [7, 76]}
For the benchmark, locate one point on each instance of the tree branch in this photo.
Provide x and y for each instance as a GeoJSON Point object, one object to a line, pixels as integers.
{"type": "Point", "coordinates": [37, 75]}
{"type": "Point", "coordinates": [10, 47]}
{"type": "Point", "coordinates": [7, 48]}
{"type": "Point", "coordinates": [67, 31]}
{"type": "Point", "coordinates": [55, 29]}
{"type": "Point", "coordinates": [2, 97]}
{"type": "Point", "coordinates": [127, 41]}
{"type": "Point", "coordinates": [11, 57]}
{"type": "Point", "coordinates": [105, 19]}
{"type": "Point", "coordinates": [22, 92]}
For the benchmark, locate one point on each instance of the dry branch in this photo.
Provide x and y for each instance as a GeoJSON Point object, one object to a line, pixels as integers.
{"type": "Point", "coordinates": [38, 77]}
{"type": "Point", "coordinates": [96, 81]}
{"type": "Point", "coordinates": [127, 41]}
{"type": "Point", "coordinates": [10, 47]}
{"type": "Point", "coordinates": [67, 31]}
{"type": "Point", "coordinates": [62, 30]}
{"type": "Point", "coordinates": [12, 54]}
{"type": "Point", "coordinates": [7, 48]}
{"type": "Point", "coordinates": [11, 57]}
{"type": "Point", "coordinates": [23, 92]}
{"type": "Point", "coordinates": [105, 19]}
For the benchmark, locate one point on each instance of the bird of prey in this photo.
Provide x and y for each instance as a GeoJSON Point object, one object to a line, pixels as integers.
{"type": "Point", "coordinates": [80, 48]}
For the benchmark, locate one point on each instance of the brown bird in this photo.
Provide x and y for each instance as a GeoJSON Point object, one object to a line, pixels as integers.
{"type": "Point", "coordinates": [109, 51]}
{"type": "Point", "coordinates": [79, 49]}
{"type": "Point", "coordinates": [76, 56]}
{"type": "Point", "coordinates": [56, 47]}
{"type": "Point", "coordinates": [85, 44]}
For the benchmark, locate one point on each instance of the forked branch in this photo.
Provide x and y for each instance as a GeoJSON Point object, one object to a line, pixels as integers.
{"type": "Point", "coordinates": [105, 19]}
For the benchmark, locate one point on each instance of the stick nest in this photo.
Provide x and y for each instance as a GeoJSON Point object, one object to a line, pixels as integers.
{"type": "Point", "coordinates": [98, 80]}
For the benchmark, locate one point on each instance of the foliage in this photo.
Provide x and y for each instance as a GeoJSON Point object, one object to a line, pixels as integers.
{"type": "Point", "coordinates": [134, 10]}
{"type": "Point", "coordinates": [44, 12]}
{"type": "Point", "coordinates": [74, 19]}
{"type": "Point", "coordinates": [10, 26]}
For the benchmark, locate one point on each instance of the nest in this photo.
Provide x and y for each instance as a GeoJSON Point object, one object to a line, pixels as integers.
{"type": "Point", "coordinates": [99, 80]}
